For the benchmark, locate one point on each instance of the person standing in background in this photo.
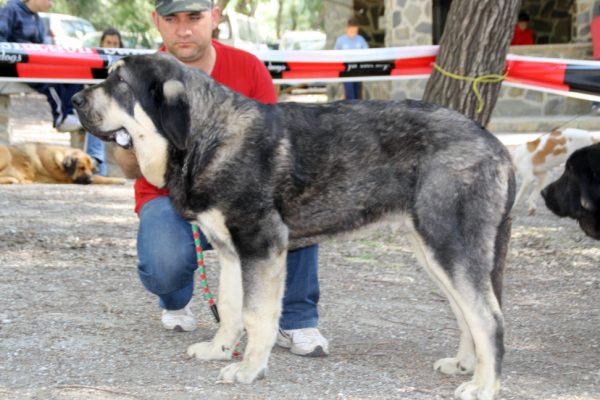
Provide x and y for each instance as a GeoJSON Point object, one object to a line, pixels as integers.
{"type": "Point", "coordinates": [523, 33]}
{"type": "Point", "coordinates": [349, 41]}
{"type": "Point", "coordinates": [20, 23]}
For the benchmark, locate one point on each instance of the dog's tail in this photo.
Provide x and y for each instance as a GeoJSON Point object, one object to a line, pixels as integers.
{"type": "Point", "coordinates": [502, 240]}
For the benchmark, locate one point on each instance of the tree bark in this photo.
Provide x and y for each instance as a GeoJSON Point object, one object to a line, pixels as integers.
{"type": "Point", "coordinates": [474, 43]}
{"type": "Point", "coordinates": [278, 21]}
{"type": "Point", "coordinates": [222, 4]}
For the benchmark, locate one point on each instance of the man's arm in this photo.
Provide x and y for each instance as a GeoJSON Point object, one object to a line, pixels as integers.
{"type": "Point", "coordinates": [127, 162]}
{"type": "Point", "coordinates": [7, 18]}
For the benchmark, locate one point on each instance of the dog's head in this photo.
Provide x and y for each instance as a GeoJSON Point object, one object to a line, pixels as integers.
{"type": "Point", "coordinates": [144, 95]}
{"type": "Point", "coordinates": [576, 194]}
{"type": "Point", "coordinates": [77, 165]}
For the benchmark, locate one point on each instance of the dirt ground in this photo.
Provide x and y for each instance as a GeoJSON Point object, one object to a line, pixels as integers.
{"type": "Point", "coordinates": [75, 322]}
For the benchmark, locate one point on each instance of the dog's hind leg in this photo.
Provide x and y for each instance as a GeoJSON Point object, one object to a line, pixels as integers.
{"type": "Point", "coordinates": [464, 361]}
{"type": "Point", "coordinates": [525, 186]}
{"type": "Point", "coordinates": [480, 319]}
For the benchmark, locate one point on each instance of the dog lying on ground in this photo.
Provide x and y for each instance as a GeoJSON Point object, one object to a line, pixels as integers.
{"type": "Point", "coordinates": [533, 160]}
{"type": "Point", "coordinates": [259, 179]}
{"type": "Point", "coordinates": [576, 194]}
{"type": "Point", "coordinates": [35, 162]}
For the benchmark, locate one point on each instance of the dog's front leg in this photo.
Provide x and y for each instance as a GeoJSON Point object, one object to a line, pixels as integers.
{"type": "Point", "coordinates": [230, 311]}
{"type": "Point", "coordinates": [263, 293]}
{"type": "Point", "coordinates": [230, 295]}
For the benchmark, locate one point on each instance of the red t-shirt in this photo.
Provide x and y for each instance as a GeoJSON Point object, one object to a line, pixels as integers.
{"type": "Point", "coordinates": [522, 36]}
{"type": "Point", "coordinates": [239, 71]}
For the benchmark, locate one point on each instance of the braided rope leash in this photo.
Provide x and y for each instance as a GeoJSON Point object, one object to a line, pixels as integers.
{"type": "Point", "coordinates": [203, 284]}
{"type": "Point", "coordinates": [490, 78]}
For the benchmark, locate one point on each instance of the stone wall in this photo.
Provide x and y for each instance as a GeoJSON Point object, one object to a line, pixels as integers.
{"type": "Point", "coordinates": [409, 23]}
{"type": "Point", "coordinates": [337, 13]}
{"type": "Point", "coordinates": [583, 11]}
{"type": "Point", "coordinates": [550, 20]}
{"type": "Point", "coordinates": [520, 102]}
{"type": "Point", "coordinates": [370, 15]}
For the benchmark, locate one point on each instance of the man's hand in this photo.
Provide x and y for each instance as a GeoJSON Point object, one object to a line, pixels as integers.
{"type": "Point", "coordinates": [127, 162]}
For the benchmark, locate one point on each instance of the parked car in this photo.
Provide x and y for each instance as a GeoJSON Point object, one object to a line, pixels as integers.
{"type": "Point", "coordinates": [241, 31]}
{"type": "Point", "coordinates": [66, 30]}
{"type": "Point", "coordinates": [302, 40]}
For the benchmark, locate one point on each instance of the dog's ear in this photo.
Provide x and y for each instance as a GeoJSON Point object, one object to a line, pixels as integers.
{"type": "Point", "coordinates": [66, 163]}
{"type": "Point", "coordinates": [174, 111]}
{"type": "Point", "coordinates": [590, 187]}
{"type": "Point", "coordinates": [69, 164]}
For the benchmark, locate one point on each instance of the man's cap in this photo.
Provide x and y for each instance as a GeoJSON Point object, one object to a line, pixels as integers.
{"type": "Point", "coordinates": [168, 7]}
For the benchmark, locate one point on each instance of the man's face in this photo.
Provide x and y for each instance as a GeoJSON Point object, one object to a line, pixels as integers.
{"type": "Point", "coordinates": [187, 35]}
{"type": "Point", "coordinates": [523, 25]}
{"type": "Point", "coordinates": [39, 5]}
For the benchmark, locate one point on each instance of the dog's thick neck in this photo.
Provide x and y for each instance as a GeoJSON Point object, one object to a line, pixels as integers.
{"type": "Point", "coordinates": [150, 147]}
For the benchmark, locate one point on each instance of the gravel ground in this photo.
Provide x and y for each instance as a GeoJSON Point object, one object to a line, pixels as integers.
{"type": "Point", "coordinates": [75, 323]}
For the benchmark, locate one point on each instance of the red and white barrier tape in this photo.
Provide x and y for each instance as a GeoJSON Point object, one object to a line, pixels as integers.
{"type": "Point", "coordinates": [24, 62]}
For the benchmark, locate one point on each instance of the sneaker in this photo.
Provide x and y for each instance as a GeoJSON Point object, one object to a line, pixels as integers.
{"type": "Point", "coordinates": [179, 320]}
{"type": "Point", "coordinates": [306, 342]}
{"type": "Point", "coordinates": [69, 124]}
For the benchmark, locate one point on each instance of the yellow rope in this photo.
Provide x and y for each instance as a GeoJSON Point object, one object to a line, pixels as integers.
{"type": "Point", "coordinates": [491, 78]}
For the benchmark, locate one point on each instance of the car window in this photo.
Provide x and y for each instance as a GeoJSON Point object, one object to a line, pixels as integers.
{"type": "Point", "coordinates": [76, 28]}
{"type": "Point", "coordinates": [69, 27]}
{"type": "Point", "coordinates": [86, 27]}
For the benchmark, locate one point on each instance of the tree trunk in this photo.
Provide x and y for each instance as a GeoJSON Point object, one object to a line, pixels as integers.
{"type": "Point", "coordinates": [222, 4]}
{"type": "Point", "coordinates": [278, 21]}
{"type": "Point", "coordinates": [474, 43]}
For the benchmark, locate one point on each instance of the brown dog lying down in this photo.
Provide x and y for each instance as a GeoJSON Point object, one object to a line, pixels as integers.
{"type": "Point", "coordinates": [36, 162]}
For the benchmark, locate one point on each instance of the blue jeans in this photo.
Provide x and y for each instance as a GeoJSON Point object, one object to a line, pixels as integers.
{"type": "Point", "coordinates": [353, 90]}
{"type": "Point", "coordinates": [59, 97]}
{"type": "Point", "coordinates": [167, 262]}
{"type": "Point", "coordinates": [97, 150]}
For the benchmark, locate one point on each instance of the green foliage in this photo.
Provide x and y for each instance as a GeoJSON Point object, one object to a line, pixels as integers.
{"type": "Point", "coordinates": [134, 15]}
{"type": "Point", "coordinates": [127, 16]}
{"type": "Point", "coordinates": [302, 15]}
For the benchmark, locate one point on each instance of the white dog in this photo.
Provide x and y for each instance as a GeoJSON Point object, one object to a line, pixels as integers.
{"type": "Point", "coordinates": [534, 159]}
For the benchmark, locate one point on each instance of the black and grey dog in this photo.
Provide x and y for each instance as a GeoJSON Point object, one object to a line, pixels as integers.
{"type": "Point", "coordinates": [259, 179]}
{"type": "Point", "coordinates": [576, 194]}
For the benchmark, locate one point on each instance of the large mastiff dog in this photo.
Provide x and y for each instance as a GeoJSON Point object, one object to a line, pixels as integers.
{"type": "Point", "coordinates": [36, 162]}
{"type": "Point", "coordinates": [576, 194]}
{"type": "Point", "coordinates": [259, 179]}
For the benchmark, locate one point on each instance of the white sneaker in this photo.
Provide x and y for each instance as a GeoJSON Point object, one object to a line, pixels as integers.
{"type": "Point", "coordinates": [179, 320]}
{"type": "Point", "coordinates": [306, 342]}
{"type": "Point", "coordinates": [69, 124]}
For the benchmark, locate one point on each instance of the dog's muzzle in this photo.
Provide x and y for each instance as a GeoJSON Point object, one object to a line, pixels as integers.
{"type": "Point", "coordinates": [121, 136]}
{"type": "Point", "coordinates": [83, 180]}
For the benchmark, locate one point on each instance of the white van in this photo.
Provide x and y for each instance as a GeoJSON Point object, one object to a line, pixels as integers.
{"type": "Point", "coordinates": [65, 30]}
{"type": "Point", "coordinates": [241, 31]}
{"type": "Point", "coordinates": [303, 40]}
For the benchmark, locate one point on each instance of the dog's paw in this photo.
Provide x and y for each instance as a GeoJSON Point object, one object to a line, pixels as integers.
{"type": "Point", "coordinates": [472, 391]}
{"type": "Point", "coordinates": [454, 366]}
{"type": "Point", "coordinates": [241, 372]}
{"type": "Point", "coordinates": [209, 351]}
